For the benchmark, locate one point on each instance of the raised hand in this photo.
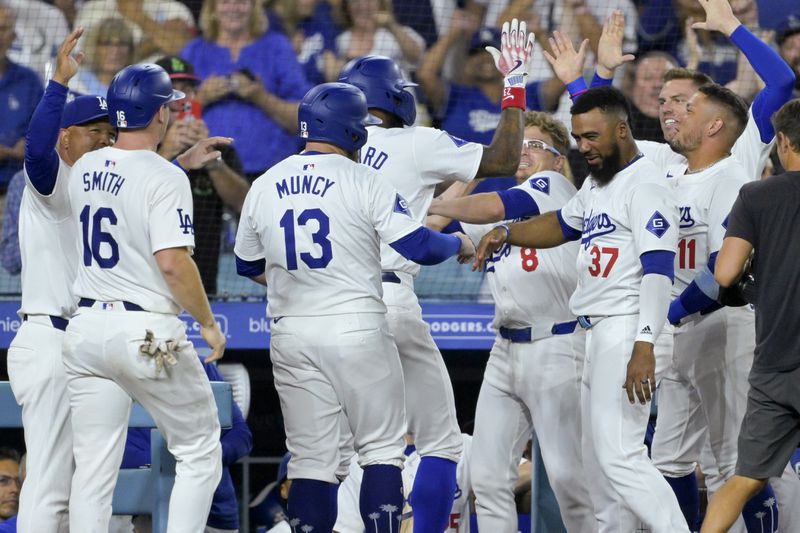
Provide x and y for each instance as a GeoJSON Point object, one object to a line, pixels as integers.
{"type": "Point", "coordinates": [67, 64]}
{"type": "Point", "coordinates": [719, 17]}
{"type": "Point", "coordinates": [516, 54]}
{"type": "Point", "coordinates": [565, 61]}
{"type": "Point", "coordinates": [609, 48]}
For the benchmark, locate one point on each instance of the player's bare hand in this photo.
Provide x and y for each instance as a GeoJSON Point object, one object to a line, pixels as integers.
{"type": "Point", "coordinates": [609, 48]}
{"type": "Point", "coordinates": [463, 22]}
{"type": "Point", "coordinates": [566, 62]}
{"type": "Point", "coordinates": [719, 17]}
{"type": "Point", "coordinates": [66, 63]}
{"type": "Point", "coordinates": [467, 250]}
{"type": "Point", "coordinates": [175, 141]}
{"type": "Point", "coordinates": [215, 340]}
{"type": "Point", "coordinates": [214, 88]}
{"type": "Point", "coordinates": [516, 51]}
{"type": "Point", "coordinates": [203, 152]}
{"type": "Point", "coordinates": [641, 376]}
{"type": "Point", "coordinates": [490, 243]}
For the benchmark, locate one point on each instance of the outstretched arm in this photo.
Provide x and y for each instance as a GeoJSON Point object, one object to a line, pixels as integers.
{"type": "Point", "coordinates": [545, 231]}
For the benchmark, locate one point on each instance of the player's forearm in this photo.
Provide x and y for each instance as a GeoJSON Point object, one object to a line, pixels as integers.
{"type": "Point", "coordinates": [230, 186]}
{"type": "Point", "coordinates": [654, 298]}
{"type": "Point", "coordinates": [731, 260]}
{"type": "Point", "coordinates": [501, 157]}
{"type": "Point", "coordinates": [476, 209]}
{"type": "Point", "coordinates": [589, 27]}
{"type": "Point", "coordinates": [183, 279]}
{"type": "Point", "coordinates": [429, 72]}
{"type": "Point", "coordinates": [281, 111]}
{"type": "Point", "coordinates": [539, 232]}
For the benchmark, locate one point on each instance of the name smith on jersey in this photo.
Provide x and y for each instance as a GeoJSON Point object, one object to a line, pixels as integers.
{"type": "Point", "coordinates": [102, 180]}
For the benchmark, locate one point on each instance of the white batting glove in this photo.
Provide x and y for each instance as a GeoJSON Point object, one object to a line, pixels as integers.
{"type": "Point", "coordinates": [514, 61]}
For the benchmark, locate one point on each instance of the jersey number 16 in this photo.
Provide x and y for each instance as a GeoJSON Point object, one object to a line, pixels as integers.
{"type": "Point", "coordinates": [94, 237]}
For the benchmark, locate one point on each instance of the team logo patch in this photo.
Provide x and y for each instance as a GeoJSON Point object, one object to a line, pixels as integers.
{"type": "Point", "coordinates": [102, 103]}
{"type": "Point", "coordinates": [657, 225]}
{"type": "Point", "coordinates": [110, 163]}
{"type": "Point", "coordinates": [185, 222]}
{"type": "Point", "coordinates": [401, 206]}
{"type": "Point", "coordinates": [457, 141]}
{"type": "Point", "coordinates": [686, 220]}
{"type": "Point", "coordinates": [540, 183]}
{"type": "Point", "coordinates": [309, 166]}
{"type": "Point", "coordinates": [725, 222]}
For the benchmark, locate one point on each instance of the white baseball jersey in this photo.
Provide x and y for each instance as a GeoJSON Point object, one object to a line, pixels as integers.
{"type": "Point", "coordinates": [528, 284]}
{"type": "Point", "coordinates": [749, 150]}
{"type": "Point", "coordinates": [47, 237]}
{"type": "Point", "coordinates": [633, 214]}
{"type": "Point", "coordinates": [414, 160]}
{"type": "Point", "coordinates": [127, 205]}
{"type": "Point", "coordinates": [704, 199]}
{"type": "Point", "coordinates": [349, 520]}
{"type": "Point", "coordinates": [318, 220]}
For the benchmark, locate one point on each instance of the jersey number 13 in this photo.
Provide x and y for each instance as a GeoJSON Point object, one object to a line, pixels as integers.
{"type": "Point", "coordinates": [318, 237]}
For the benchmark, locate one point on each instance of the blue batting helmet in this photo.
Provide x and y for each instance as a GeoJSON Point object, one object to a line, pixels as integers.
{"type": "Point", "coordinates": [383, 85]}
{"type": "Point", "coordinates": [136, 93]}
{"type": "Point", "coordinates": [335, 113]}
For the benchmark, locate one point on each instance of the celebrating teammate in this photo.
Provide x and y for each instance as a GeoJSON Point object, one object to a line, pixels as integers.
{"type": "Point", "coordinates": [535, 365]}
{"type": "Point", "coordinates": [626, 221]}
{"type": "Point", "coordinates": [49, 261]}
{"type": "Point", "coordinates": [310, 231]}
{"type": "Point", "coordinates": [133, 212]}
{"type": "Point", "coordinates": [414, 160]}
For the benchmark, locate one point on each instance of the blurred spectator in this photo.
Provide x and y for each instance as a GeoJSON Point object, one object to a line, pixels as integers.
{"type": "Point", "coordinates": [788, 39]}
{"type": "Point", "coordinates": [69, 9]}
{"type": "Point", "coordinates": [20, 91]}
{"type": "Point", "coordinates": [109, 48]}
{"type": "Point", "coordinates": [40, 30]}
{"type": "Point", "coordinates": [214, 187]}
{"type": "Point", "coordinates": [648, 78]}
{"type": "Point", "coordinates": [372, 29]}
{"type": "Point", "coordinates": [159, 27]}
{"type": "Point", "coordinates": [252, 82]}
{"type": "Point", "coordinates": [268, 509]}
{"type": "Point", "coordinates": [236, 441]}
{"type": "Point", "coordinates": [310, 27]}
{"type": "Point", "coordinates": [658, 27]}
{"type": "Point", "coordinates": [9, 247]}
{"type": "Point", "coordinates": [9, 483]}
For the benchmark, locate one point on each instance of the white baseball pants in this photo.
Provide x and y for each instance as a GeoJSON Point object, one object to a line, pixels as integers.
{"type": "Point", "coordinates": [105, 370]}
{"type": "Point", "coordinates": [530, 386]}
{"type": "Point", "coordinates": [332, 365]}
{"type": "Point", "coordinates": [39, 383]}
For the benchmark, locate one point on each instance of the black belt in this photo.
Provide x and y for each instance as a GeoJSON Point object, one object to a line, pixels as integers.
{"type": "Point", "coordinates": [57, 321]}
{"type": "Point", "coordinates": [390, 277]}
{"type": "Point", "coordinates": [88, 302]}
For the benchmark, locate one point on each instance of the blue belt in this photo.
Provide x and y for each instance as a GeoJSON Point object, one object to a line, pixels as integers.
{"type": "Point", "coordinates": [390, 277]}
{"type": "Point", "coordinates": [526, 334]}
{"type": "Point", "coordinates": [584, 322]}
{"type": "Point", "coordinates": [57, 321]}
{"type": "Point", "coordinates": [88, 302]}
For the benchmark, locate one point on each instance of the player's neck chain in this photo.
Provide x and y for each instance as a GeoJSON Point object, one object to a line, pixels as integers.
{"type": "Point", "coordinates": [697, 171]}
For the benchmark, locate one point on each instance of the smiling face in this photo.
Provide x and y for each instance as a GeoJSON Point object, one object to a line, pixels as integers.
{"type": "Point", "coordinates": [648, 81]}
{"type": "Point", "coordinates": [535, 159]}
{"type": "Point", "coordinates": [672, 105]}
{"type": "Point", "coordinates": [233, 15]}
{"type": "Point", "coordinates": [597, 136]}
{"type": "Point", "coordinates": [689, 136]}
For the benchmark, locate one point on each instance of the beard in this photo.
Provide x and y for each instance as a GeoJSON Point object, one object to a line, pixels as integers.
{"type": "Point", "coordinates": [606, 171]}
{"type": "Point", "coordinates": [686, 143]}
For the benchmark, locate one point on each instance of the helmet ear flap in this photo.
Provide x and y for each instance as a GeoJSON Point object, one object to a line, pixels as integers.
{"type": "Point", "coordinates": [406, 107]}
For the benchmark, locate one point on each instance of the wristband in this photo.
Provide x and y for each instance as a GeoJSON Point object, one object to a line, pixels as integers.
{"type": "Point", "coordinates": [513, 97]}
{"type": "Point", "coordinates": [505, 227]}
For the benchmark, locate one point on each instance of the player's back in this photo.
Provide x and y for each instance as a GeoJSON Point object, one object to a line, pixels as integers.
{"type": "Point", "coordinates": [415, 160]}
{"type": "Point", "coordinates": [317, 218]}
{"type": "Point", "coordinates": [128, 204]}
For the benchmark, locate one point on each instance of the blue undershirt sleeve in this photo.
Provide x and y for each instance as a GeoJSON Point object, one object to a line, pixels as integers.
{"type": "Point", "coordinates": [570, 233]}
{"type": "Point", "coordinates": [699, 296]}
{"type": "Point", "coordinates": [427, 247]}
{"type": "Point", "coordinates": [452, 227]}
{"type": "Point", "coordinates": [41, 158]}
{"type": "Point", "coordinates": [576, 88]}
{"type": "Point", "coordinates": [518, 204]}
{"type": "Point", "coordinates": [659, 262]}
{"type": "Point", "coordinates": [250, 269]}
{"type": "Point", "coordinates": [779, 79]}
{"type": "Point", "coordinates": [599, 81]}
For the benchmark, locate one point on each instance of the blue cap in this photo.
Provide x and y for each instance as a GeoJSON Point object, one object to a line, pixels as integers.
{"type": "Point", "coordinates": [84, 109]}
{"type": "Point", "coordinates": [482, 38]}
{"type": "Point", "coordinates": [787, 28]}
{"type": "Point", "coordinates": [283, 468]}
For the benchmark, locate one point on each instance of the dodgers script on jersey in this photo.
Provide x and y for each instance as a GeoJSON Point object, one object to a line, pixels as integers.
{"type": "Point", "coordinates": [749, 150]}
{"type": "Point", "coordinates": [529, 284]}
{"type": "Point", "coordinates": [330, 214]}
{"type": "Point", "coordinates": [704, 199]}
{"type": "Point", "coordinates": [436, 157]}
{"type": "Point", "coordinates": [49, 256]}
{"type": "Point", "coordinates": [129, 204]}
{"type": "Point", "coordinates": [633, 214]}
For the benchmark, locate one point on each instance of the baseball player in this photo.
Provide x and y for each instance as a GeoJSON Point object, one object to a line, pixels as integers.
{"type": "Point", "coordinates": [414, 160]}
{"type": "Point", "coordinates": [132, 211]}
{"type": "Point", "coordinates": [310, 231]}
{"type": "Point", "coordinates": [348, 519]}
{"type": "Point", "coordinates": [58, 135]}
{"type": "Point", "coordinates": [626, 221]}
{"type": "Point", "coordinates": [533, 375]}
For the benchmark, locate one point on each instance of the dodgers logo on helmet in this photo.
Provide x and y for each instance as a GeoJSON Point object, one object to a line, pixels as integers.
{"type": "Point", "coordinates": [383, 84]}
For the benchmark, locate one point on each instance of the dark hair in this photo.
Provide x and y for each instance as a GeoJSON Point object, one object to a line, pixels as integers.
{"type": "Point", "coordinates": [730, 101]}
{"type": "Point", "coordinates": [695, 76]}
{"type": "Point", "coordinates": [785, 121]}
{"type": "Point", "coordinates": [607, 99]}
{"type": "Point", "coordinates": [7, 454]}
